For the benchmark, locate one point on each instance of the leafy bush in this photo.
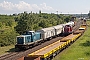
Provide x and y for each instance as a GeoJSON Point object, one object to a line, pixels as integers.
{"type": "Point", "coordinates": [7, 32]}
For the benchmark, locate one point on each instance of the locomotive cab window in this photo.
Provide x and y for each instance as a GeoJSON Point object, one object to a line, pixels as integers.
{"type": "Point", "coordinates": [20, 40]}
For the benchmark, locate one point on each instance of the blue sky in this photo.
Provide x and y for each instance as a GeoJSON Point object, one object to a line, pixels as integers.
{"type": "Point", "coordinates": [47, 6]}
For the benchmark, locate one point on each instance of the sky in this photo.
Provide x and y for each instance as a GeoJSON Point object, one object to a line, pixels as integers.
{"type": "Point", "coordinates": [46, 6]}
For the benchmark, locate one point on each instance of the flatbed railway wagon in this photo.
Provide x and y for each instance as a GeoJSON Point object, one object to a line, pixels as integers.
{"type": "Point", "coordinates": [52, 50]}
{"type": "Point", "coordinates": [49, 51]}
{"type": "Point", "coordinates": [81, 29]}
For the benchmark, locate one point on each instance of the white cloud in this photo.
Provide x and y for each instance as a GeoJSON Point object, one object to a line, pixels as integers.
{"type": "Point", "coordinates": [6, 5]}
{"type": "Point", "coordinates": [23, 6]}
{"type": "Point", "coordinates": [45, 7]}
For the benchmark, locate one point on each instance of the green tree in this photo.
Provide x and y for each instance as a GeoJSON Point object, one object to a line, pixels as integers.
{"type": "Point", "coordinates": [67, 19]}
{"type": "Point", "coordinates": [21, 27]}
{"type": "Point", "coordinates": [7, 32]}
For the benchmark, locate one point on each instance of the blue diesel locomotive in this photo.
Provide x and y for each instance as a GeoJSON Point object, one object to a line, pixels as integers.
{"type": "Point", "coordinates": [28, 40]}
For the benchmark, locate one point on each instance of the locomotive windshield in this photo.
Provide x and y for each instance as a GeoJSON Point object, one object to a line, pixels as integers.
{"type": "Point", "coordinates": [20, 40]}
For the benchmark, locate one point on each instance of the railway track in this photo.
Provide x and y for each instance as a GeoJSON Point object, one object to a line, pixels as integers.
{"type": "Point", "coordinates": [17, 55]}
{"type": "Point", "coordinates": [77, 25]}
{"type": "Point", "coordinates": [5, 57]}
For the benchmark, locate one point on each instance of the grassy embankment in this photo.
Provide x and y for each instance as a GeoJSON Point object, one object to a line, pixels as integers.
{"type": "Point", "coordinates": [80, 50]}
{"type": "Point", "coordinates": [6, 49]}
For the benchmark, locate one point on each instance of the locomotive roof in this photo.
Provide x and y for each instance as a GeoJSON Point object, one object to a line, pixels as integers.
{"type": "Point", "coordinates": [23, 35]}
{"type": "Point", "coordinates": [71, 22]}
{"type": "Point", "coordinates": [31, 31]}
